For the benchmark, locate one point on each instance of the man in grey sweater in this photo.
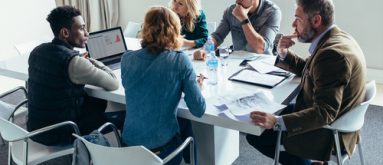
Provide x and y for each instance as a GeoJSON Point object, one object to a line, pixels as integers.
{"type": "Point", "coordinates": [253, 25]}
{"type": "Point", "coordinates": [57, 76]}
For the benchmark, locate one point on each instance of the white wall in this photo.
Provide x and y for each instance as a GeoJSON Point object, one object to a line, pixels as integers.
{"type": "Point", "coordinates": [23, 21]}
{"type": "Point", "coordinates": [362, 19]}
{"type": "Point", "coordinates": [129, 12]}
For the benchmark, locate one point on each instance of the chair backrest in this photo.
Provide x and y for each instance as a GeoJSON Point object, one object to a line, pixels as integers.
{"type": "Point", "coordinates": [211, 26]}
{"type": "Point", "coordinates": [135, 155]}
{"type": "Point", "coordinates": [354, 119]}
{"type": "Point", "coordinates": [8, 130]}
{"type": "Point", "coordinates": [132, 29]}
{"type": "Point", "coordinates": [6, 110]}
{"type": "Point", "coordinates": [24, 151]}
{"type": "Point", "coordinates": [11, 132]}
{"type": "Point", "coordinates": [370, 91]}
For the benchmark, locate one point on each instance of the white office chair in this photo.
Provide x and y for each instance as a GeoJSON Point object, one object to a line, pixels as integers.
{"type": "Point", "coordinates": [135, 155]}
{"type": "Point", "coordinates": [7, 110]}
{"type": "Point", "coordinates": [132, 30]}
{"type": "Point", "coordinates": [351, 121]}
{"type": "Point", "coordinates": [211, 26]}
{"type": "Point", "coordinates": [21, 149]}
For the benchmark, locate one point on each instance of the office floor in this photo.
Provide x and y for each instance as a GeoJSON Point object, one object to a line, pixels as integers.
{"type": "Point", "coordinates": [248, 155]}
{"type": "Point", "coordinates": [8, 83]}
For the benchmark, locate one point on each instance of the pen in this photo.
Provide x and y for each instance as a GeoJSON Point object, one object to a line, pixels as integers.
{"type": "Point", "coordinates": [203, 77]}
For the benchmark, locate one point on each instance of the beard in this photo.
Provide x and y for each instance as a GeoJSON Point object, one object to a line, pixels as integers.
{"type": "Point", "coordinates": [77, 42]}
{"type": "Point", "coordinates": [307, 35]}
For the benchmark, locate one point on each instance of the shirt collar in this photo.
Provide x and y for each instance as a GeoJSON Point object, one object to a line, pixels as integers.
{"type": "Point", "coordinates": [315, 42]}
{"type": "Point", "coordinates": [258, 11]}
{"type": "Point", "coordinates": [60, 42]}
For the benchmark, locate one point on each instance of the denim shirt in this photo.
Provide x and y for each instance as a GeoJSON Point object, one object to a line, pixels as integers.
{"type": "Point", "coordinates": [153, 86]}
{"type": "Point", "coordinates": [265, 20]}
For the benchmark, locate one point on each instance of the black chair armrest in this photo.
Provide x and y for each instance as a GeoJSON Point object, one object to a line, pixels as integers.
{"type": "Point", "coordinates": [114, 129]}
{"type": "Point", "coordinates": [13, 91]}
{"type": "Point", "coordinates": [188, 141]}
{"type": "Point", "coordinates": [55, 126]}
{"type": "Point", "coordinates": [17, 107]}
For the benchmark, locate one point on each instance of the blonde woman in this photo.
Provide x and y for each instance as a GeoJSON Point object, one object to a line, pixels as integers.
{"type": "Point", "coordinates": [193, 21]}
{"type": "Point", "coordinates": [154, 78]}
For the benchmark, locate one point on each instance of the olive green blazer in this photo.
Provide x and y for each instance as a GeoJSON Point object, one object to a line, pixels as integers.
{"type": "Point", "coordinates": [332, 83]}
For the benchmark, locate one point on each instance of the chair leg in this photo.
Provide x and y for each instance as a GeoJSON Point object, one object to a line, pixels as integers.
{"type": "Point", "coordinates": [25, 151]}
{"type": "Point", "coordinates": [337, 147]}
{"type": "Point", "coordinates": [361, 153]}
{"type": "Point", "coordinates": [9, 153]}
{"type": "Point", "coordinates": [192, 156]}
{"type": "Point", "coordinates": [277, 148]}
{"type": "Point", "coordinates": [2, 141]}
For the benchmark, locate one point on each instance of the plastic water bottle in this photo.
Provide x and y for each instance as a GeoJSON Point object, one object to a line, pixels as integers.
{"type": "Point", "coordinates": [212, 61]}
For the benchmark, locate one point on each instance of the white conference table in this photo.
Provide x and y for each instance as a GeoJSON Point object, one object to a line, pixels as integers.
{"type": "Point", "coordinates": [217, 136]}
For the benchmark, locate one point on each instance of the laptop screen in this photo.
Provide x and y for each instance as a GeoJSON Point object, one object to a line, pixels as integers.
{"type": "Point", "coordinates": [106, 44]}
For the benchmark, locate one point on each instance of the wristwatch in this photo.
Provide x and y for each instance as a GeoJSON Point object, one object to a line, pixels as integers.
{"type": "Point", "coordinates": [245, 21]}
{"type": "Point", "coordinates": [277, 126]}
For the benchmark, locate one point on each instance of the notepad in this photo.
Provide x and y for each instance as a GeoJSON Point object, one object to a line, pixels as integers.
{"type": "Point", "coordinates": [250, 76]}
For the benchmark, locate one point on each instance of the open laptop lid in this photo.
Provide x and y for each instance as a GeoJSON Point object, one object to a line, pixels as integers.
{"type": "Point", "coordinates": [106, 45]}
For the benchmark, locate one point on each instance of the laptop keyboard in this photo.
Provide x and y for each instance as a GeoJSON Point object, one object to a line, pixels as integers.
{"type": "Point", "coordinates": [114, 63]}
{"type": "Point", "coordinates": [115, 66]}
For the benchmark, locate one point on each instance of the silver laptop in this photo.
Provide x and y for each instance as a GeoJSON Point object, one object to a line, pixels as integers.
{"type": "Point", "coordinates": [107, 46]}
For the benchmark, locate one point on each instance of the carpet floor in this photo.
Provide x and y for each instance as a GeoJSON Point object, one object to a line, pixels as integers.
{"type": "Point", "coordinates": [372, 143]}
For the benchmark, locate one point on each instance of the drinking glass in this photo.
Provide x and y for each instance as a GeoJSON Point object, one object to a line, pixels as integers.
{"type": "Point", "coordinates": [223, 55]}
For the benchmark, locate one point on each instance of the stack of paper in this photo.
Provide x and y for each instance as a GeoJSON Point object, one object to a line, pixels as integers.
{"type": "Point", "coordinates": [265, 64]}
{"type": "Point", "coordinates": [262, 67]}
{"type": "Point", "coordinates": [243, 55]}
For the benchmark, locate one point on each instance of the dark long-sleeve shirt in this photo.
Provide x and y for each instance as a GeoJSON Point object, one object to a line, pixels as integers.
{"type": "Point", "coordinates": [200, 32]}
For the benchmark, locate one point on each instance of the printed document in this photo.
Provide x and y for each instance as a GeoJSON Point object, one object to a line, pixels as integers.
{"type": "Point", "coordinates": [243, 55]}
{"type": "Point", "coordinates": [242, 104]}
{"type": "Point", "coordinates": [262, 67]}
{"type": "Point", "coordinates": [265, 64]}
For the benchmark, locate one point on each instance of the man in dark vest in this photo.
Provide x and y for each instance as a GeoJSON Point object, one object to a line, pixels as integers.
{"type": "Point", "coordinates": [57, 76]}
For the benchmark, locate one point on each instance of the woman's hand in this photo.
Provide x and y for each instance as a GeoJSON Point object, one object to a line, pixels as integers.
{"type": "Point", "coordinates": [200, 80]}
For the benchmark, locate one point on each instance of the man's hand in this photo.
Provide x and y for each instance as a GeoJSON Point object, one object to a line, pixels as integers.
{"type": "Point", "coordinates": [85, 55]}
{"type": "Point", "coordinates": [284, 43]}
{"type": "Point", "coordinates": [240, 12]}
{"type": "Point", "coordinates": [263, 119]}
{"type": "Point", "coordinates": [199, 55]}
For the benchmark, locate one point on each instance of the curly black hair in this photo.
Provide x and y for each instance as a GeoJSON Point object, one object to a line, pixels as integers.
{"type": "Point", "coordinates": [62, 17]}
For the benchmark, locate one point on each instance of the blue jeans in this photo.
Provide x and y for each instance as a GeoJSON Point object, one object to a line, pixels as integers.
{"type": "Point", "coordinates": [187, 131]}
{"type": "Point", "coordinates": [170, 147]}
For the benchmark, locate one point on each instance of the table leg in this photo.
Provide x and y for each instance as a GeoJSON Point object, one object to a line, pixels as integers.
{"type": "Point", "coordinates": [215, 145]}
